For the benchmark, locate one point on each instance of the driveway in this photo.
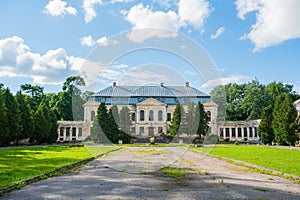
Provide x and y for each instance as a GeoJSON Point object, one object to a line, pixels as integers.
{"type": "Point", "coordinates": [133, 173]}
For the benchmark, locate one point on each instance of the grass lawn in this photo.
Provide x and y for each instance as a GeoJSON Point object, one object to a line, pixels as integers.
{"type": "Point", "coordinates": [284, 160]}
{"type": "Point", "coordinates": [22, 163]}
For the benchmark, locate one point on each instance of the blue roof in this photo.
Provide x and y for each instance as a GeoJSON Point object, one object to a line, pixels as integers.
{"type": "Point", "coordinates": [150, 91]}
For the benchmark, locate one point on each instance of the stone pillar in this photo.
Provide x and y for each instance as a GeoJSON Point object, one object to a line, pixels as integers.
{"type": "Point", "coordinates": [230, 134]}
{"type": "Point", "coordinates": [242, 132]}
{"type": "Point", "coordinates": [71, 134]}
{"type": "Point", "coordinates": [253, 133]}
{"type": "Point", "coordinates": [236, 133]}
{"type": "Point", "coordinates": [77, 132]}
{"type": "Point", "coordinates": [65, 133]}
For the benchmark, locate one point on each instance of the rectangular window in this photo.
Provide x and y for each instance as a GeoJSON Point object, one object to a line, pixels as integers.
{"type": "Point", "coordinates": [80, 132]}
{"type": "Point", "coordinates": [132, 130]}
{"type": "Point", "coordinates": [132, 116]}
{"type": "Point", "coordinates": [169, 117]}
{"type": "Point", "coordinates": [141, 130]}
{"type": "Point", "coordinates": [160, 129]}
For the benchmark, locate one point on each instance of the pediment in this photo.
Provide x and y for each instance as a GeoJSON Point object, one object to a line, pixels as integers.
{"type": "Point", "coordinates": [151, 102]}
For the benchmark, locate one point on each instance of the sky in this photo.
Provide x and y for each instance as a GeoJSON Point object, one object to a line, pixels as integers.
{"type": "Point", "coordinates": [132, 42]}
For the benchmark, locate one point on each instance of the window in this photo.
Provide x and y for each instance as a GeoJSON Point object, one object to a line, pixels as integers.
{"type": "Point", "coordinates": [142, 115]}
{"type": "Point", "coordinates": [141, 130]}
{"type": "Point", "coordinates": [92, 115]}
{"type": "Point", "coordinates": [132, 130]}
{"type": "Point", "coordinates": [80, 132]}
{"type": "Point", "coordinates": [208, 114]}
{"type": "Point", "coordinates": [160, 129]}
{"type": "Point", "coordinates": [132, 116]}
{"type": "Point", "coordinates": [160, 117]}
{"type": "Point", "coordinates": [151, 115]}
{"type": "Point", "coordinates": [233, 132]}
{"type": "Point", "coordinates": [169, 117]}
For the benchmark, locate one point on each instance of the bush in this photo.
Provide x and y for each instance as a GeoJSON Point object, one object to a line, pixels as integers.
{"type": "Point", "coordinates": [236, 143]}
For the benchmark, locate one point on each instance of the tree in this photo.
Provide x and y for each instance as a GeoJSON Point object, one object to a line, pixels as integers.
{"type": "Point", "coordinates": [124, 125]}
{"type": "Point", "coordinates": [284, 120]}
{"type": "Point", "coordinates": [4, 132]}
{"type": "Point", "coordinates": [176, 120]}
{"type": "Point", "coordinates": [101, 130]}
{"type": "Point", "coordinates": [265, 129]}
{"type": "Point", "coordinates": [69, 105]}
{"type": "Point", "coordinates": [36, 94]}
{"type": "Point", "coordinates": [26, 122]}
{"type": "Point", "coordinates": [191, 120]}
{"type": "Point", "coordinates": [124, 120]}
{"type": "Point", "coordinates": [13, 117]}
{"type": "Point", "coordinates": [112, 129]}
{"type": "Point", "coordinates": [201, 117]}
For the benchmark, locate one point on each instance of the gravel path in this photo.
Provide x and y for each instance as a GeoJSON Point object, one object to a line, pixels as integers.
{"type": "Point", "coordinates": [132, 174]}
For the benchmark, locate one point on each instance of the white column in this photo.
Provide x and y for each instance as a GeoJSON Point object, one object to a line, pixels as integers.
{"type": "Point", "coordinates": [224, 133]}
{"type": "Point", "coordinates": [253, 133]}
{"type": "Point", "coordinates": [242, 132]}
{"type": "Point", "coordinates": [77, 132]}
{"type": "Point", "coordinates": [236, 133]}
{"type": "Point", "coordinates": [230, 134]}
{"type": "Point", "coordinates": [71, 133]}
{"type": "Point", "coordinates": [65, 133]}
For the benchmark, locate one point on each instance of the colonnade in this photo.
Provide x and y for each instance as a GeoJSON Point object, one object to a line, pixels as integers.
{"type": "Point", "coordinates": [238, 133]}
{"type": "Point", "coordinates": [70, 133]}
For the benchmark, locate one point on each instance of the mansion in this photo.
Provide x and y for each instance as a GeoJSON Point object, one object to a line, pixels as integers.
{"type": "Point", "coordinates": [151, 109]}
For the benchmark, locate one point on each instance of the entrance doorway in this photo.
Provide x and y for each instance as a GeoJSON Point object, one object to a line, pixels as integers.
{"type": "Point", "coordinates": [151, 131]}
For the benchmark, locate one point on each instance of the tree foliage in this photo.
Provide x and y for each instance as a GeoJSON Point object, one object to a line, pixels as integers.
{"type": "Point", "coordinates": [284, 120]}
{"type": "Point", "coordinates": [176, 120]}
{"type": "Point", "coordinates": [202, 120]}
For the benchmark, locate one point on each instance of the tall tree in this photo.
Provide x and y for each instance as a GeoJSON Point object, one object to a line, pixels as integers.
{"type": "Point", "coordinates": [100, 130]}
{"type": "Point", "coordinates": [4, 132]}
{"type": "Point", "coordinates": [284, 120]}
{"type": "Point", "coordinates": [176, 120]}
{"type": "Point", "coordinates": [36, 94]}
{"type": "Point", "coordinates": [125, 121]}
{"type": "Point", "coordinates": [191, 120]}
{"type": "Point", "coordinates": [70, 103]}
{"type": "Point", "coordinates": [112, 129]}
{"type": "Point", "coordinates": [13, 117]}
{"type": "Point", "coordinates": [202, 120]}
{"type": "Point", "coordinates": [265, 129]}
{"type": "Point", "coordinates": [26, 122]}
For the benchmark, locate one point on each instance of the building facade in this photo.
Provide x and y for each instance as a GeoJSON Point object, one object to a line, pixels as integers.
{"type": "Point", "coordinates": [151, 109]}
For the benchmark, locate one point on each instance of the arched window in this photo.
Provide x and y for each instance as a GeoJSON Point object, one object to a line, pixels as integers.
{"type": "Point", "coordinates": [160, 117]}
{"type": "Point", "coordinates": [92, 115]}
{"type": "Point", "coordinates": [208, 114]}
{"type": "Point", "coordinates": [151, 115]}
{"type": "Point", "coordinates": [142, 115]}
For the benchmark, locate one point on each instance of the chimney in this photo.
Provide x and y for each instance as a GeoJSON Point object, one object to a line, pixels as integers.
{"type": "Point", "coordinates": [161, 84]}
{"type": "Point", "coordinates": [114, 84]}
{"type": "Point", "coordinates": [187, 84]}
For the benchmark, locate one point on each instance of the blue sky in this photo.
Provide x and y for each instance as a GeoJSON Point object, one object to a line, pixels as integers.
{"type": "Point", "coordinates": [43, 42]}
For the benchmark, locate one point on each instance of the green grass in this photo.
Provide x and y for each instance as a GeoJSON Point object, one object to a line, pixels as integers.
{"type": "Point", "coordinates": [154, 145]}
{"type": "Point", "coordinates": [97, 150]}
{"type": "Point", "coordinates": [283, 160]}
{"type": "Point", "coordinates": [173, 172]}
{"type": "Point", "coordinates": [22, 163]}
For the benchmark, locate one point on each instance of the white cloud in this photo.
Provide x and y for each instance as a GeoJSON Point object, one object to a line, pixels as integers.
{"type": "Point", "coordinates": [141, 17]}
{"type": "Point", "coordinates": [103, 41]}
{"type": "Point", "coordinates": [225, 80]}
{"type": "Point", "coordinates": [119, 1]}
{"type": "Point", "coordinates": [194, 11]}
{"type": "Point", "coordinates": [89, 11]}
{"type": "Point", "coordinates": [59, 7]}
{"type": "Point", "coordinates": [219, 32]}
{"type": "Point", "coordinates": [87, 41]}
{"type": "Point", "coordinates": [165, 24]}
{"type": "Point", "coordinates": [276, 21]}
{"type": "Point", "coordinates": [17, 60]}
